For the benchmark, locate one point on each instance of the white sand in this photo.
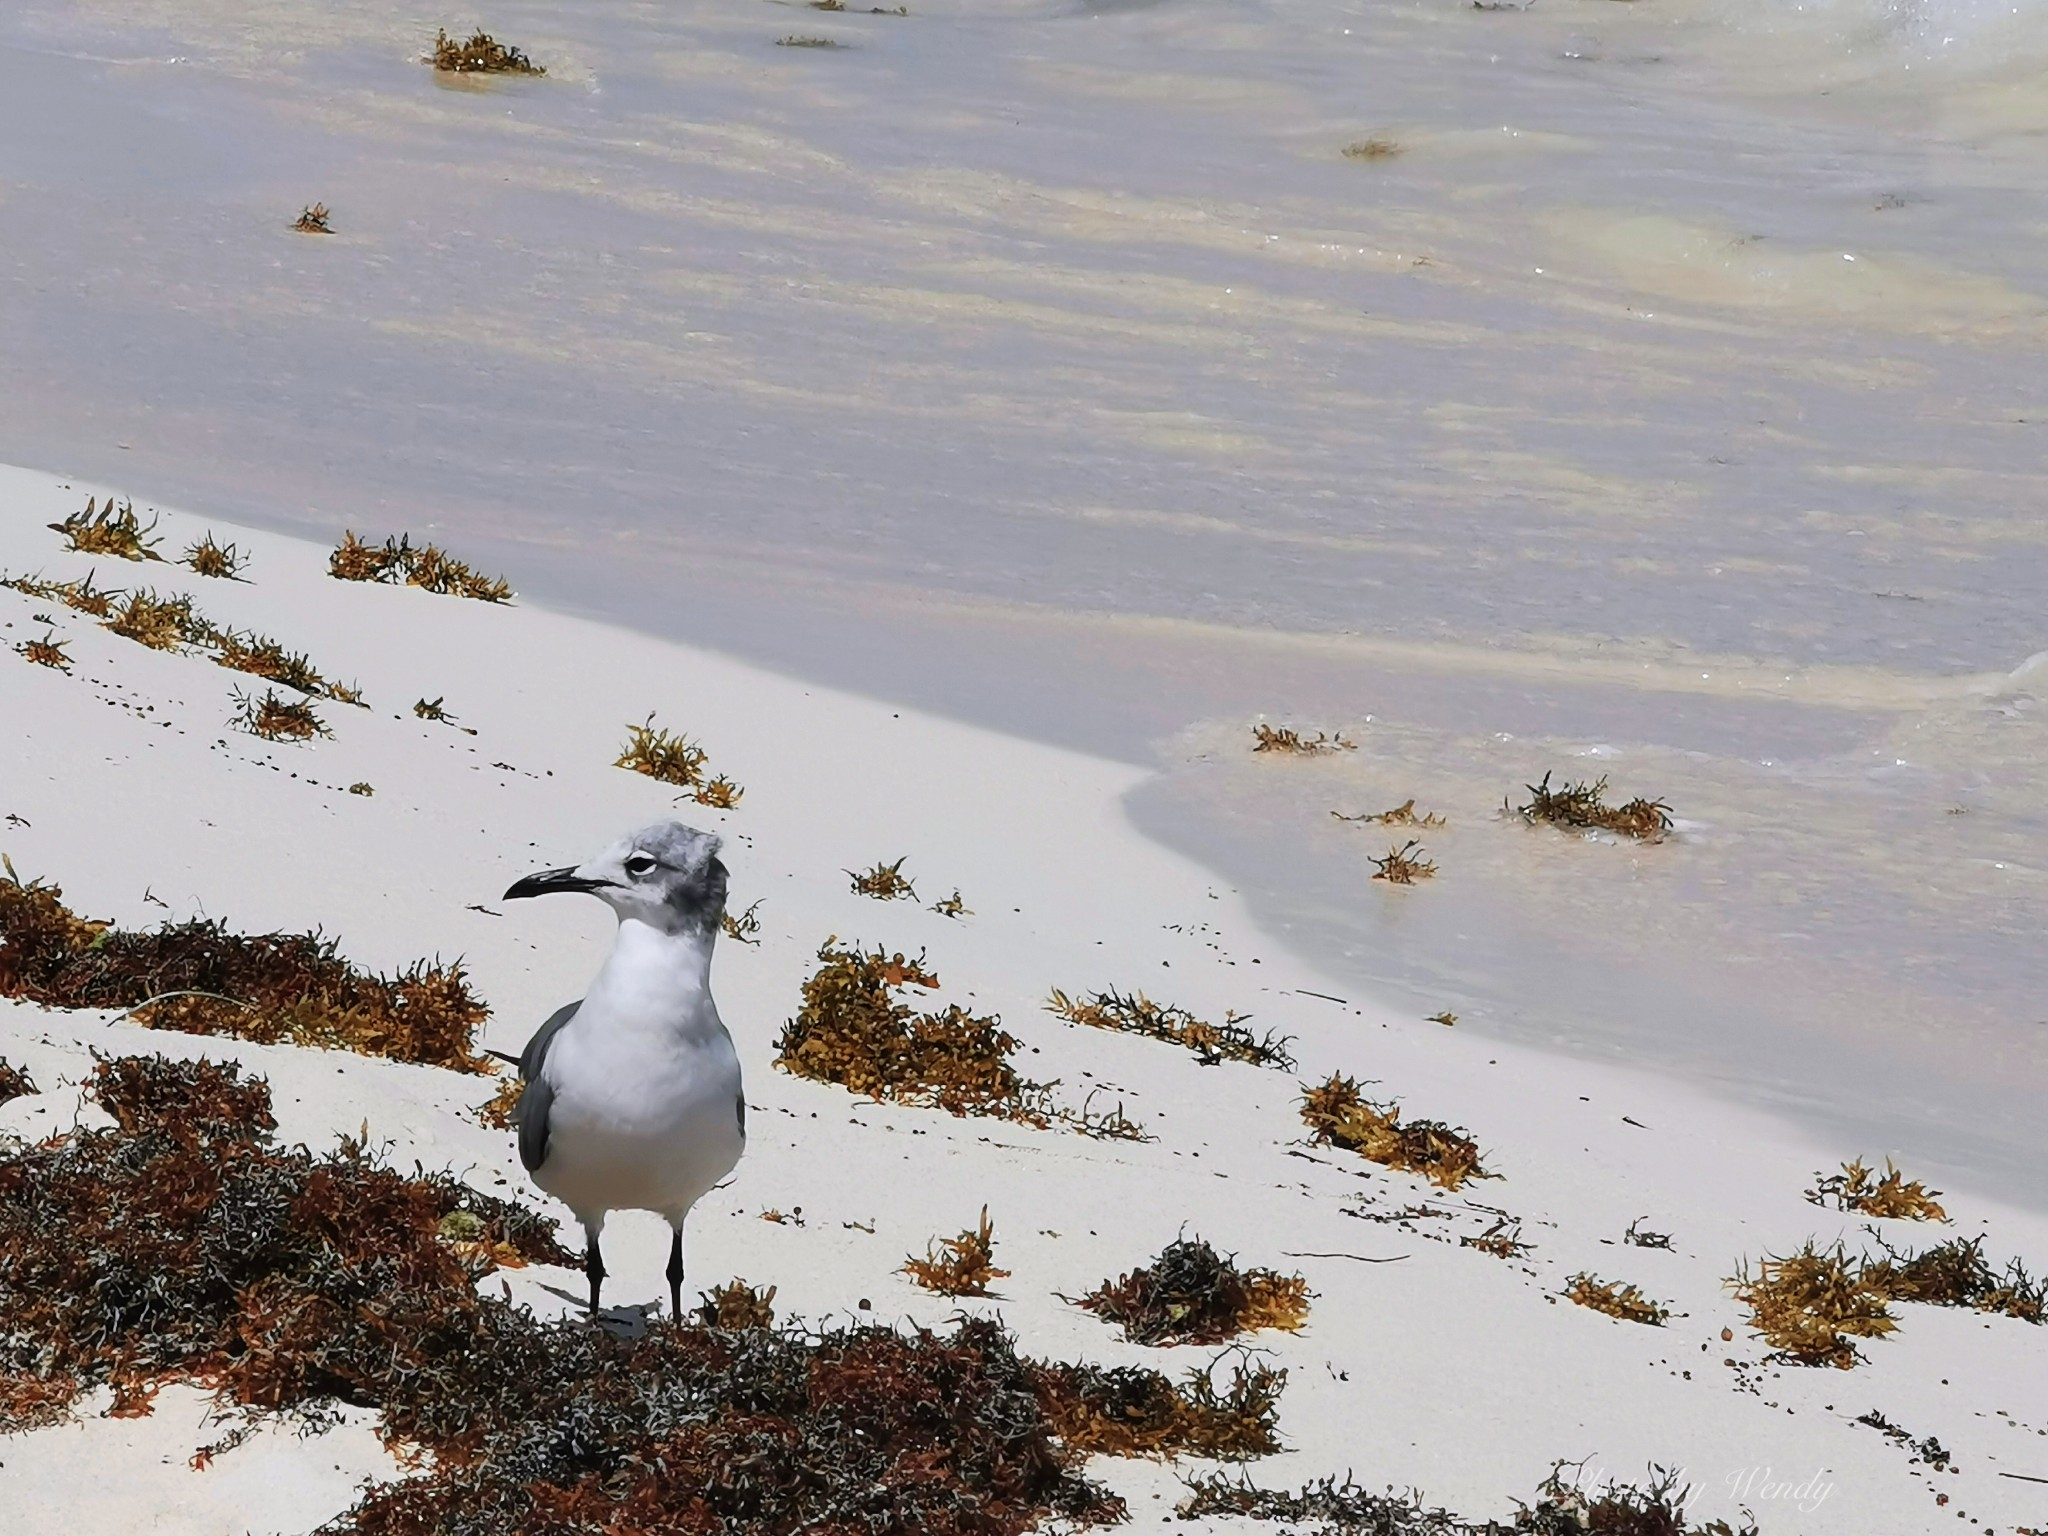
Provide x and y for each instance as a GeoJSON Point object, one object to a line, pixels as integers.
{"type": "Point", "coordinates": [1449, 1371]}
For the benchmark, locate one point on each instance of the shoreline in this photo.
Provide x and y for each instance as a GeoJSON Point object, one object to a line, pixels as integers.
{"type": "Point", "coordinates": [143, 807]}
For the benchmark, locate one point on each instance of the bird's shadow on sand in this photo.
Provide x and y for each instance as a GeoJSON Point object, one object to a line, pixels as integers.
{"type": "Point", "coordinates": [631, 1321]}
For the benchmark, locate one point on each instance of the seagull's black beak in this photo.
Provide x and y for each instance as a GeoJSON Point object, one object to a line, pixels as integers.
{"type": "Point", "coordinates": [549, 881]}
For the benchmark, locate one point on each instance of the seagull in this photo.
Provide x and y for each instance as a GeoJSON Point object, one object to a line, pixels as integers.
{"type": "Point", "coordinates": [632, 1097]}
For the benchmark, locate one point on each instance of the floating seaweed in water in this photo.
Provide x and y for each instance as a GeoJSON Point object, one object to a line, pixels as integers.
{"type": "Point", "coordinates": [1285, 738]}
{"type": "Point", "coordinates": [479, 54]}
{"type": "Point", "coordinates": [1191, 1294]}
{"type": "Point", "coordinates": [200, 979]}
{"type": "Point", "coordinates": [1340, 1115]}
{"type": "Point", "coordinates": [1404, 865]}
{"type": "Point", "coordinates": [965, 1268]}
{"type": "Point", "coordinates": [109, 530]}
{"type": "Point", "coordinates": [1582, 806]}
{"type": "Point", "coordinates": [1855, 1189]}
{"type": "Point", "coordinates": [1402, 815]}
{"type": "Point", "coordinates": [1137, 1014]}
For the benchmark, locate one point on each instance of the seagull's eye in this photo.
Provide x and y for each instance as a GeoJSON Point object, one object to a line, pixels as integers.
{"type": "Point", "coordinates": [638, 865]}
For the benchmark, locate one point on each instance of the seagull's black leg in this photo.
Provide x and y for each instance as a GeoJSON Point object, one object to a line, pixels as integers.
{"type": "Point", "coordinates": [593, 1266]}
{"type": "Point", "coordinates": [675, 1276]}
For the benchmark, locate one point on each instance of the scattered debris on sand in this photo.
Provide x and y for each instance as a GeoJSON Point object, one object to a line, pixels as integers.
{"type": "Point", "coordinates": [312, 220]}
{"type": "Point", "coordinates": [952, 906]}
{"type": "Point", "coordinates": [1191, 1294]}
{"type": "Point", "coordinates": [1136, 1014]}
{"type": "Point", "coordinates": [1341, 1116]}
{"type": "Point", "coordinates": [1378, 147]}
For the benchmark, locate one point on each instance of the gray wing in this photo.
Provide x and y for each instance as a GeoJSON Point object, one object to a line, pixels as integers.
{"type": "Point", "coordinates": [532, 1114]}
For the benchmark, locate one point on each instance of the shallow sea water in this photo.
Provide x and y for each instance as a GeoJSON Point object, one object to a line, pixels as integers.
{"type": "Point", "coordinates": [1667, 404]}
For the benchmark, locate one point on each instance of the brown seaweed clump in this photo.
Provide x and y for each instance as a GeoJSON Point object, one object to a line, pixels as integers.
{"type": "Point", "coordinates": [396, 562]}
{"type": "Point", "coordinates": [210, 558]}
{"type": "Point", "coordinates": [737, 1304]}
{"type": "Point", "coordinates": [1856, 1189]}
{"type": "Point", "coordinates": [109, 530]}
{"type": "Point", "coordinates": [742, 927]}
{"type": "Point", "coordinates": [184, 1245]}
{"type": "Point", "coordinates": [1285, 738]}
{"type": "Point", "coordinates": [1137, 1014]}
{"type": "Point", "coordinates": [14, 1083]}
{"type": "Point", "coordinates": [200, 979]}
{"type": "Point", "coordinates": [46, 652]}
{"type": "Point", "coordinates": [1811, 1306]}
{"type": "Point", "coordinates": [1404, 865]}
{"type": "Point", "coordinates": [854, 1029]}
{"type": "Point", "coordinates": [673, 758]}
{"type": "Point", "coordinates": [1561, 1509]}
{"type": "Point", "coordinates": [1616, 1300]}
{"type": "Point", "coordinates": [1402, 815]}
{"type": "Point", "coordinates": [884, 882]}
{"type": "Point", "coordinates": [1130, 1411]}
{"type": "Point", "coordinates": [1956, 1274]}
{"type": "Point", "coordinates": [497, 1112]}
{"type": "Point", "coordinates": [1191, 1294]}
{"type": "Point", "coordinates": [952, 906]}
{"type": "Point", "coordinates": [276, 719]}
{"type": "Point", "coordinates": [313, 220]}
{"type": "Point", "coordinates": [479, 54]}
{"type": "Point", "coordinates": [965, 1268]}
{"type": "Point", "coordinates": [1339, 1114]}
{"type": "Point", "coordinates": [1584, 806]}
